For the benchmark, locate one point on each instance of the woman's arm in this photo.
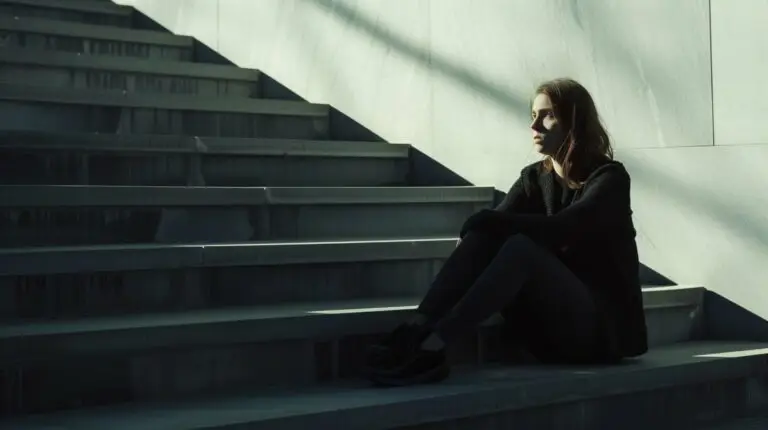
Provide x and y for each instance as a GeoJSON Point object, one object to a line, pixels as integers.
{"type": "Point", "coordinates": [516, 198]}
{"type": "Point", "coordinates": [514, 202]}
{"type": "Point", "coordinates": [604, 205]}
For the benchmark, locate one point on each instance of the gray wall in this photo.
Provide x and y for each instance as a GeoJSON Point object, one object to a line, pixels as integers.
{"type": "Point", "coordinates": [681, 85]}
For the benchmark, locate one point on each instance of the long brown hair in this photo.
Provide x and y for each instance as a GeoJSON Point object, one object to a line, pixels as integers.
{"type": "Point", "coordinates": [587, 142]}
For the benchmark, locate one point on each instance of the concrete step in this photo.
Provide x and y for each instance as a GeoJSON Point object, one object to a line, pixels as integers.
{"type": "Point", "coordinates": [74, 282]}
{"type": "Point", "coordinates": [51, 215]}
{"type": "Point", "coordinates": [758, 421]}
{"type": "Point", "coordinates": [76, 110]}
{"type": "Point", "coordinates": [163, 356]}
{"type": "Point", "coordinates": [677, 386]}
{"type": "Point", "coordinates": [31, 157]}
{"type": "Point", "coordinates": [54, 35]}
{"type": "Point", "coordinates": [82, 11]}
{"type": "Point", "coordinates": [64, 282]}
{"type": "Point", "coordinates": [134, 75]}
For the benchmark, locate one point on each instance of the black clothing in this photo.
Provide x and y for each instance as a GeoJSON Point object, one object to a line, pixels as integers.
{"type": "Point", "coordinates": [552, 313]}
{"type": "Point", "coordinates": [591, 231]}
{"type": "Point", "coordinates": [561, 266]}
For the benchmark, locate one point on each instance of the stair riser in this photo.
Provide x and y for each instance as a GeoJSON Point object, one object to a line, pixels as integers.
{"type": "Point", "coordinates": [73, 226]}
{"type": "Point", "coordinates": [120, 20]}
{"type": "Point", "coordinates": [73, 168]}
{"type": "Point", "coordinates": [172, 373]}
{"type": "Point", "coordinates": [131, 292]}
{"type": "Point", "coordinates": [17, 115]}
{"type": "Point", "coordinates": [133, 82]}
{"type": "Point", "coordinates": [164, 375]}
{"type": "Point", "coordinates": [675, 324]}
{"type": "Point", "coordinates": [90, 46]}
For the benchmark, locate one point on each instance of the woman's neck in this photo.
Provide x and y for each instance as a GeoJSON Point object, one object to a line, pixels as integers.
{"type": "Point", "coordinates": [558, 168]}
{"type": "Point", "coordinates": [575, 175]}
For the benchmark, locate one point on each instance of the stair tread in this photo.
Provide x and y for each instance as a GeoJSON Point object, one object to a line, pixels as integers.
{"type": "Point", "coordinates": [110, 98]}
{"type": "Point", "coordinates": [271, 313]}
{"type": "Point", "coordinates": [471, 392]}
{"type": "Point", "coordinates": [207, 316]}
{"type": "Point", "coordinates": [756, 422]}
{"type": "Point", "coordinates": [88, 6]}
{"type": "Point", "coordinates": [30, 341]}
{"type": "Point", "coordinates": [154, 143]}
{"type": "Point", "coordinates": [122, 195]}
{"type": "Point", "coordinates": [89, 258]}
{"type": "Point", "coordinates": [100, 32]}
{"type": "Point", "coordinates": [270, 245]}
{"type": "Point", "coordinates": [123, 64]}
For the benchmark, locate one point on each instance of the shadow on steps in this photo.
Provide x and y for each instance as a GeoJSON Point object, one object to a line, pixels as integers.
{"type": "Point", "coordinates": [725, 319]}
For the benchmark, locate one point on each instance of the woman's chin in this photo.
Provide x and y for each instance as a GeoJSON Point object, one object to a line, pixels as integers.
{"type": "Point", "coordinates": [538, 147]}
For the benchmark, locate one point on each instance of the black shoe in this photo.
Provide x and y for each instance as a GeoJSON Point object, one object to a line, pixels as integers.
{"type": "Point", "coordinates": [395, 347]}
{"type": "Point", "coordinates": [422, 367]}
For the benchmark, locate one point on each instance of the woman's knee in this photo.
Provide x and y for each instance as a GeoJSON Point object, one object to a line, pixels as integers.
{"type": "Point", "coordinates": [520, 243]}
{"type": "Point", "coordinates": [522, 248]}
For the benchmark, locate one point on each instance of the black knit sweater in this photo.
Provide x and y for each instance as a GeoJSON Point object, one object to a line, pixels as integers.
{"type": "Point", "coordinates": [590, 229]}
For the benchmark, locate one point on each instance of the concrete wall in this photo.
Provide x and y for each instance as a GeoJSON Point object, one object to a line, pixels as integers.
{"type": "Point", "coordinates": [680, 85]}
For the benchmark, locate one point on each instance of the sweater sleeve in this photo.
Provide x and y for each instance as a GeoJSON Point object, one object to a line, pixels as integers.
{"type": "Point", "coordinates": [516, 198]}
{"type": "Point", "coordinates": [603, 206]}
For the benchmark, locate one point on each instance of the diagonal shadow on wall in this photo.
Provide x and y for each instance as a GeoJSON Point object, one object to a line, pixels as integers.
{"type": "Point", "coordinates": [747, 226]}
{"type": "Point", "coordinates": [500, 96]}
{"type": "Point", "coordinates": [428, 171]}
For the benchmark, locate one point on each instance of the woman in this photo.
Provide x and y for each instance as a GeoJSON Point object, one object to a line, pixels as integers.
{"type": "Point", "coordinates": [557, 257]}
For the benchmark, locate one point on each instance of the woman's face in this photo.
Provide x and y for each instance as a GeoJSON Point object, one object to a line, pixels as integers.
{"type": "Point", "coordinates": [547, 133]}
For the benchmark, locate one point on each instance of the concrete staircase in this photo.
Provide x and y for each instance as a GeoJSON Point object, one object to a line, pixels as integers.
{"type": "Point", "coordinates": [181, 249]}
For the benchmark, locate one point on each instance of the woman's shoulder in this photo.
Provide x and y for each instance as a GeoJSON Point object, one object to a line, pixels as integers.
{"type": "Point", "coordinates": [610, 174]}
{"type": "Point", "coordinates": [532, 170]}
{"type": "Point", "coordinates": [604, 170]}
{"type": "Point", "coordinates": [609, 168]}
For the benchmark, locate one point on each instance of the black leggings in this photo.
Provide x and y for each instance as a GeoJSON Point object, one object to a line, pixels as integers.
{"type": "Point", "coordinates": [549, 305]}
